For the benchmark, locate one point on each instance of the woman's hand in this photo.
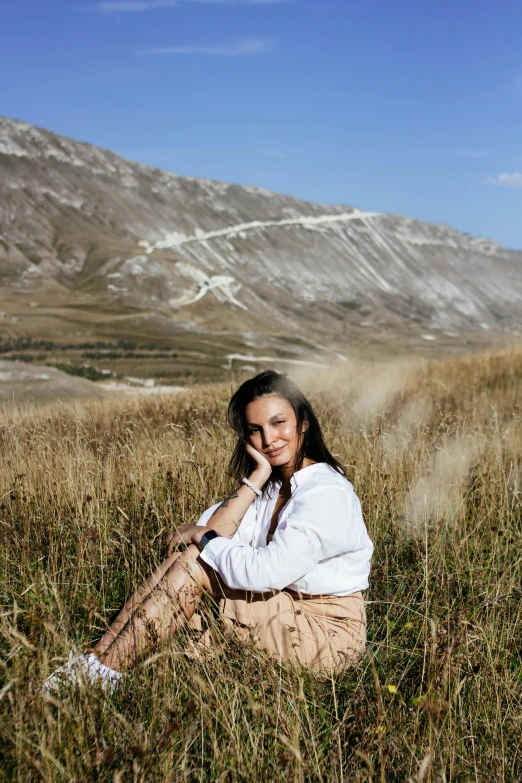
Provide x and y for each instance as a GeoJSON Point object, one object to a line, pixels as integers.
{"type": "Point", "coordinates": [262, 469]}
{"type": "Point", "coordinates": [184, 535]}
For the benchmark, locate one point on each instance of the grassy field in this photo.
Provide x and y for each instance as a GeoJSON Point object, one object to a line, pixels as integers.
{"type": "Point", "coordinates": [87, 495]}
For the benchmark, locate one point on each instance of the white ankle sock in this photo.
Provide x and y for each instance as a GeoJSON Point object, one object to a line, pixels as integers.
{"type": "Point", "coordinates": [105, 672]}
{"type": "Point", "coordinates": [85, 667]}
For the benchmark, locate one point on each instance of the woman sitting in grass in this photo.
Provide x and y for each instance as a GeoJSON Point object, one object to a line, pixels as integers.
{"type": "Point", "coordinates": [286, 555]}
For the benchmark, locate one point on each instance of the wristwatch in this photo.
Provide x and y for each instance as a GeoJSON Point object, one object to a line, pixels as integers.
{"type": "Point", "coordinates": [205, 538]}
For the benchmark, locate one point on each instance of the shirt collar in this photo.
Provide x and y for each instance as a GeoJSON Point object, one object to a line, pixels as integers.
{"type": "Point", "coordinates": [305, 473]}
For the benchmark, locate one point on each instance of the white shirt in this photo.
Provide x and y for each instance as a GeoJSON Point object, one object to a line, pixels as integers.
{"type": "Point", "coordinates": [320, 547]}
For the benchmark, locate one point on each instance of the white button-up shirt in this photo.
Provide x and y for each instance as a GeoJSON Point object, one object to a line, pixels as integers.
{"type": "Point", "coordinates": [320, 547]}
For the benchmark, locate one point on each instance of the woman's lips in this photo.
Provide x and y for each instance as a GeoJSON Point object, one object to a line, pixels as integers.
{"type": "Point", "coordinates": [275, 452]}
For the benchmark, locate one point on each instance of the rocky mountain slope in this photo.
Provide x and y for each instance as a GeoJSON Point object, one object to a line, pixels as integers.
{"type": "Point", "coordinates": [91, 230]}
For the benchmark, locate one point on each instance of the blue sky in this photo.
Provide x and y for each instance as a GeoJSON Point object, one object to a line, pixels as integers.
{"type": "Point", "coordinates": [405, 106]}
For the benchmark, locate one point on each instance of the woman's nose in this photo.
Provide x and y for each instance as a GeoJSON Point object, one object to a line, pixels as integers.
{"type": "Point", "coordinates": [268, 437]}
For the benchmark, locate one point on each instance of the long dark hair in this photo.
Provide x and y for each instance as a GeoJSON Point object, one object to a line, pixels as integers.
{"type": "Point", "coordinates": [312, 445]}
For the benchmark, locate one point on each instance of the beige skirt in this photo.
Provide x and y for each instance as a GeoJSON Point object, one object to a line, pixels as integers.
{"type": "Point", "coordinates": [325, 633]}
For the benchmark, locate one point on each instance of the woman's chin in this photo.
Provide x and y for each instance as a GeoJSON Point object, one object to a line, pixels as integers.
{"type": "Point", "coordinates": [279, 460]}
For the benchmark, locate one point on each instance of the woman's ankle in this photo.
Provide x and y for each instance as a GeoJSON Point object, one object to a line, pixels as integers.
{"type": "Point", "coordinates": [107, 663]}
{"type": "Point", "coordinates": [105, 659]}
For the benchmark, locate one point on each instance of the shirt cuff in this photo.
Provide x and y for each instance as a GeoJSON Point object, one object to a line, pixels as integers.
{"type": "Point", "coordinates": [214, 549]}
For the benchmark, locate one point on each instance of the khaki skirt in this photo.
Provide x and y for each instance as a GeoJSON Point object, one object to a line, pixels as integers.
{"type": "Point", "coordinates": [325, 633]}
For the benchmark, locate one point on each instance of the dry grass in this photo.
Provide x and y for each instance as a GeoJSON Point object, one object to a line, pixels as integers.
{"type": "Point", "coordinates": [87, 495]}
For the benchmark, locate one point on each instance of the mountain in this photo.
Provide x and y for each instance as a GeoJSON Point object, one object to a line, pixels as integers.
{"type": "Point", "coordinates": [105, 246]}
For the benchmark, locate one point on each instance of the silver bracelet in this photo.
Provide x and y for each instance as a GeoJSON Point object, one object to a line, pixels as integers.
{"type": "Point", "coordinates": [251, 486]}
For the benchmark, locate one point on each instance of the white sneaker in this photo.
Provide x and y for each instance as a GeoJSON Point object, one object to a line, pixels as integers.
{"type": "Point", "coordinates": [83, 669]}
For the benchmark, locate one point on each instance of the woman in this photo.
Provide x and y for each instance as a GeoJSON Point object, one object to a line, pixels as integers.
{"type": "Point", "coordinates": [287, 554]}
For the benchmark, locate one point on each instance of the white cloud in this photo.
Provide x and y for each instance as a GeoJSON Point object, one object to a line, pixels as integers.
{"type": "Point", "coordinates": [241, 2]}
{"type": "Point", "coordinates": [462, 153]}
{"type": "Point", "coordinates": [134, 6]}
{"type": "Point", "coordinates": [507, 180]}
{"type": "Point", "coordinates": [271, 153]}
{"type": "Point", "coordinates": [470, 153]}
{"type": "Point", "coordinates": [247, 46]}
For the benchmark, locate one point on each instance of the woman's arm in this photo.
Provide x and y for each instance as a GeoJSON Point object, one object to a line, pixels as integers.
{"type": "Point", "coordinates": [226, 519]}
{"type": "Point", "coordinates": [321, 525]}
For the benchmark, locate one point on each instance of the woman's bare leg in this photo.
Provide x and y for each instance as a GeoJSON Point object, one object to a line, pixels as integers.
{"type": "Point", "coordinates": [170, 603]}
{"type": "Point", "coordinates": [133, 603]}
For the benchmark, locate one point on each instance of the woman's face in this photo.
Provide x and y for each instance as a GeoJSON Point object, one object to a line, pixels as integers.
{"type": "Point", "coordinates": [272, 429]}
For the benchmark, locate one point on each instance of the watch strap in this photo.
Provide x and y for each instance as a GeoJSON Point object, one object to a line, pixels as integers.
{"type": "Point", "coordinates": [205, 538]}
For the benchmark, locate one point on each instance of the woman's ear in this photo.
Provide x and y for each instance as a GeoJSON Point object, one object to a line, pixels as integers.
{"type": "Point", "coordinates": [305, 425]}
